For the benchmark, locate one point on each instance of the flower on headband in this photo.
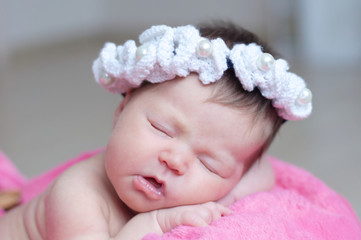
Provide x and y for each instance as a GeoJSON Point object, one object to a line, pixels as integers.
{"type": "Point", "coordinates": [288, 91]}
{"type": "Point", "coordinates": [167, 52]}
{"type": "Point", "coordinates": [164, 53]}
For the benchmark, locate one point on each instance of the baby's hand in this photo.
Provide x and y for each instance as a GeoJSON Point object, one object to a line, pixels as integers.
{"type": "Point", "coordinates": [193, 215]}
{"type": "Point", "coordinates": [163, 220]}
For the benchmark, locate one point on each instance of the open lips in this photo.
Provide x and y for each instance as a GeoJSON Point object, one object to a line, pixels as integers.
{"type": "Point", "coordinates": [154, 182]}
{"type": "Point", "coordinates": [152, 187]}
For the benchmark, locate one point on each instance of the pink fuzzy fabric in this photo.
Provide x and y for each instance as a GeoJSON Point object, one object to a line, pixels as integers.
{"type": "Point", "coordinates": [299, 207]}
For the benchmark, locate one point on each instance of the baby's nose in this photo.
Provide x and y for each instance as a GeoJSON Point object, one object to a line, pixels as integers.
{"type": "Point", "coordinates": [177, 161]}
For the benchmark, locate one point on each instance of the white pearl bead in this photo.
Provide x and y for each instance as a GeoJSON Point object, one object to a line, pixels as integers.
{"type": "Point", "coordinates": [141, 52]}
{"type": "Point", "coordinates": [105, 79]}
{"type": "Point", "coordinates": [265, 62]}
{"type": "Point", "coordinates": [204, 48]}
{"type": "Point", "coordinates": [305, 96]}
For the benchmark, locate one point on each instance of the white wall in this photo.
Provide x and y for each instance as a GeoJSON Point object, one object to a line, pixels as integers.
{"type": "Point", "coordinates": [37, 22]}
{"type": "Point", "coordinates": [330, 31]}
{"type": "Point", "coordinates": [141, 14]}
{"type": "Point", "coordinates": [34, 23]}
{"type": "Point", "coordinates": [324, 31]}
{"type": "Point", "coordinates": [3, 51]}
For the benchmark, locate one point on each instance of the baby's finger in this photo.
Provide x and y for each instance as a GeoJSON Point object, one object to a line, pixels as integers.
{"type": "Point", "coordinates": [225, 211]}
{"type": "Point", "coordinates": [196, 219]}
{"type": "Point", "coordinates": [211, 211]}
{"type": "Point", "coordinates": [218, 208]}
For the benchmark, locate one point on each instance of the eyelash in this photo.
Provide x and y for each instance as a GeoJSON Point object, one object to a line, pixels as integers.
{"type": "Point", "coordinates": [159, 128]}
{"type": "Point", "coordinates": [207, 166]}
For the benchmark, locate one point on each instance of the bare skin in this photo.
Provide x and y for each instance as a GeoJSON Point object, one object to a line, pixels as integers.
{"type": "Point", "coordinates": [90, 199]}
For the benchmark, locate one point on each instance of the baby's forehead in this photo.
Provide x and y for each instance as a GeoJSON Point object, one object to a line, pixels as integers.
{"type": "Point", "coordinates": [193, 100]}
{"type": "Point", "coordinates": [190, 90]}
{"type": "Point", "coordinates": [190, 84]}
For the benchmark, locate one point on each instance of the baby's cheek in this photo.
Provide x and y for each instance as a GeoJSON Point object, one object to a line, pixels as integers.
{"type": "Point", "coordinates": [217, 191]}
{"type": "Point", "coordinates": [227, 186]}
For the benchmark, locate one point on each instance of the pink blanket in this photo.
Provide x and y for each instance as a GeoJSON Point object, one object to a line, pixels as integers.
{"type": "Point", "coordinates": [299, 207]}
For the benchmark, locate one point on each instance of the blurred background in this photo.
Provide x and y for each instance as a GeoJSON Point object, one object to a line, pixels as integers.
{"type": "Point", "coordinates": [51, 109]}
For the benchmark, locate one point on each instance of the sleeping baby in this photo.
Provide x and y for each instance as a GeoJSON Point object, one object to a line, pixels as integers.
{"type": "Point", "coordinates": [201, 106]}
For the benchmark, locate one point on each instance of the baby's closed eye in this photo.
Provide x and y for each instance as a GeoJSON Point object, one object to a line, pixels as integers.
{"type": "Point", "coordinates": [209, 163]}
{"type": "Point", "coordinates": [160, 128]}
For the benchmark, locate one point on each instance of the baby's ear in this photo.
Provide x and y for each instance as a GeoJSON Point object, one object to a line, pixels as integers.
{"type": "Point", "coordinates": [121, 106]}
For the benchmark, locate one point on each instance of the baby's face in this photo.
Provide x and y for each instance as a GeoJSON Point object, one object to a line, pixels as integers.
{"type": "Point", "coordinates": [171, 146]}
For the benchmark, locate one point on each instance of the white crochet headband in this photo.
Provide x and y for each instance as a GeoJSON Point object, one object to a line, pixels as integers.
{"type": "Point", "coordinates": [167, 52]}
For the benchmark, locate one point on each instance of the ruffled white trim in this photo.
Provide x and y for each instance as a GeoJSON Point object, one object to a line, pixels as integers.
{"type": "Point", "coordinates": [167, 52]}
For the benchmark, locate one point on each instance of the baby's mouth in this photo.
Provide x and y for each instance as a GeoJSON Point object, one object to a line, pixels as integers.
{"type": "Point", "coordinates": [152, 187]}
{"type": "Point", "coordinates": [154, 182]}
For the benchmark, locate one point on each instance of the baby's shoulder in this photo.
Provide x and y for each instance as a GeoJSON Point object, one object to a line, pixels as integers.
{"type": "Point", "coordinates": [83, 190]}
{"type": "Point", "coordinates": [82, 180]}
{"type": "Point", "coordinates": [92, 168]}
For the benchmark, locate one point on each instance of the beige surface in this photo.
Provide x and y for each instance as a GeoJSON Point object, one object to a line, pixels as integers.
{"type": "Point", "coordinates": [51, 110]}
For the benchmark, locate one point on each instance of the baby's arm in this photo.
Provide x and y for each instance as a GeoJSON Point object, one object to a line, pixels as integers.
{"type": "Point", "coordinates": [86, 221]}
{"type": "Point", "coordinates": [163, 220]}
